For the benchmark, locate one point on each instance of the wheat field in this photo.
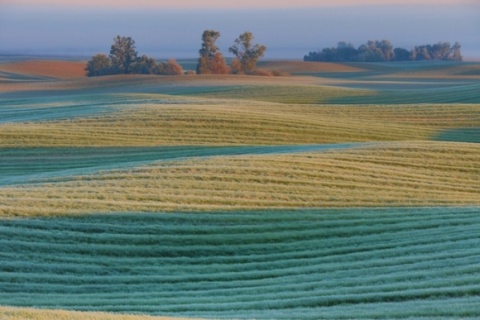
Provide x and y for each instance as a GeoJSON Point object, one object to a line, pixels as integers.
{"type": "Point", "coordinates": [390, 174]}
{"type": "Point", "coordinates": [139, 122]}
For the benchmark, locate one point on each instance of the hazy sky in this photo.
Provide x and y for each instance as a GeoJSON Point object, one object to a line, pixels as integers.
{"type": "Point", "coordinates": [232, 4]}
{"type": "Point", "coordinates": [290, 29]}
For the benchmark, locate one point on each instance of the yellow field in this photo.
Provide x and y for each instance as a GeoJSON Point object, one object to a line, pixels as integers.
{"type": "Point", "coordinates": [394, 174]}
{"type": "Point", "coordinates": [9, 313]}
{"type": "Point", "coordinates": [208, 122]}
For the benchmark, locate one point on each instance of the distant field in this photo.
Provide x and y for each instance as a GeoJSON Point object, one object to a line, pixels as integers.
{"type": "Point", "coordinates": [46, 68]}
{"type": "Point", "coordinates": [155, 120]}
{"type": "Point", "coordinates": [306, 67]}
{"type": "Point", "coordinates": [342, 191]}
{"type": "Point", "coordinates": [406, 93]}
{"type": "Point", "coordinates": [284, 93]}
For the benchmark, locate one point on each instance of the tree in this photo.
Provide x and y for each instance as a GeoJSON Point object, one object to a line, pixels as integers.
{"type": "Point", "coordinates": [123, 54]}
{"type": "Point", "coordinates": [98, 65]}
{"type": "Point", "coordinates": [456, 54]}
{"type": "Point", "coordinates": [211, 60]}
{"type": "Point", "coordinates": [346, 52]}
{"type": "Point", "coordinates": [247, 54]}
{"type": "Point", "coordinates": [386, 48]}
{"type": "Point", "coordinates": [144, 65]}
{"type": "Point", "coordinates": [170, 68]}
{"type": "Point", "coordinates": [401, 54]}
{"type": "Point", "coordinates": [374, 51]}
{"type": "Point", "coordinates": [441, 51]}
{"type": "Point", "coordinates": [422, 52]}
{"type": "Point", "coordinates": [123, 59]}
{"type": "Point", "coordinates": [370, 52]}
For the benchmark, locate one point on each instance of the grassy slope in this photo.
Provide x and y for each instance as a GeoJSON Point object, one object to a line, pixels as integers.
{"type": "Point", "coordinates": [97, 112]}
{"type": "Point", "coordinates": [366, 263]}
{"type": "Point", "coordinates": [34, 165]}
{"type": "Point", "coordinates": [395, 174]}
{"type": "Point", "coordinates": [149, 121]}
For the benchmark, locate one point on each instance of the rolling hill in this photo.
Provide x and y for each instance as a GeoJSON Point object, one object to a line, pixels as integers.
{"type": "Point", "coordinates": [342, 191]}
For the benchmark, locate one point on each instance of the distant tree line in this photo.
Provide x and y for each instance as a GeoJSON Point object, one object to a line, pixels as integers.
{"type": "Point", "coordinates": [124, 59]}
{"type": "Point", "coordinates": [212, 61]}
{"type": "Point", "coordinates": [378, 51]}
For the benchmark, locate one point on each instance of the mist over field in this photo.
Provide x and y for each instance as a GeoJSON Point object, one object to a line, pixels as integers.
{"type": "Point", "coordinates": [288, 33]}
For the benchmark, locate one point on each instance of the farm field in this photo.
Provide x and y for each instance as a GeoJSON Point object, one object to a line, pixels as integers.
{"type": "Point", "coordinates": [338, 192]}
{"type": "Point", "coordinates": [249, 264]}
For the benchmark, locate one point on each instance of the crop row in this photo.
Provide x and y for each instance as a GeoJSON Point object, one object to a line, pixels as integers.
{"type": "Point", "coordinates": [29, 165]}
{"type": "Point", "coordinates": [295, 263]}
{"type": "Point", "coordinates": [153, 120]}
{"type": "Point", "coordinates": [393, 174]}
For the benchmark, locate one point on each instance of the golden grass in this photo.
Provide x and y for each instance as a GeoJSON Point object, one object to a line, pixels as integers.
{"type": "Point", "coordinates": [11, 313]}
{"type": "Point", "coordinates": [393, 174]}
{"type": "Point", "coordinates": [47, 68]}
{"type": "Point", "coordinates": [230, 122]}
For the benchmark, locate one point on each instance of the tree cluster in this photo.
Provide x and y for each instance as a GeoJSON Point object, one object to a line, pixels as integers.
{"type": "Point", "coordinates": [124, 59]}
{"type": "Point", "coordinates": [378, 51]}
{"type": "Point", "coordinates": [212, 61]}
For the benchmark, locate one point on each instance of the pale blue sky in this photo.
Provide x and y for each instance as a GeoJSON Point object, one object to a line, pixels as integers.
{"type": "Point", "coordinates": [229, 4]}
{"type": "Point", "coordinates": [165, 31]}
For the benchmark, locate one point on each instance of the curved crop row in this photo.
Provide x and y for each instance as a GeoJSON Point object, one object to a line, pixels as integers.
{"type": "Point", "coordinates": [394, 174]}
{"type": "Point", "coordinates": [216, 265]}
{"type": "Point", "coordinates": [34, 165]}
{"type": "Point", "coordinates": [154, 120]}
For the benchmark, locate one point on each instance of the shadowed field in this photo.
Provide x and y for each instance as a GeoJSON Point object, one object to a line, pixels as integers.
{"type": "Point", "coordinates": [34, 165]}
{"type": "Point", "coordinates": [342, 191]}
{"type": "Point", "coordinates": [306, 67]}
{"type": "Point", "coordinates": [371, 263]}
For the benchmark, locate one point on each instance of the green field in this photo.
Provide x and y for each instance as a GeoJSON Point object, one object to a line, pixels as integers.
{"type": "Point", "coordinates": [379, 263]}
{"type": "Point", "coordinates": [338, 192]}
